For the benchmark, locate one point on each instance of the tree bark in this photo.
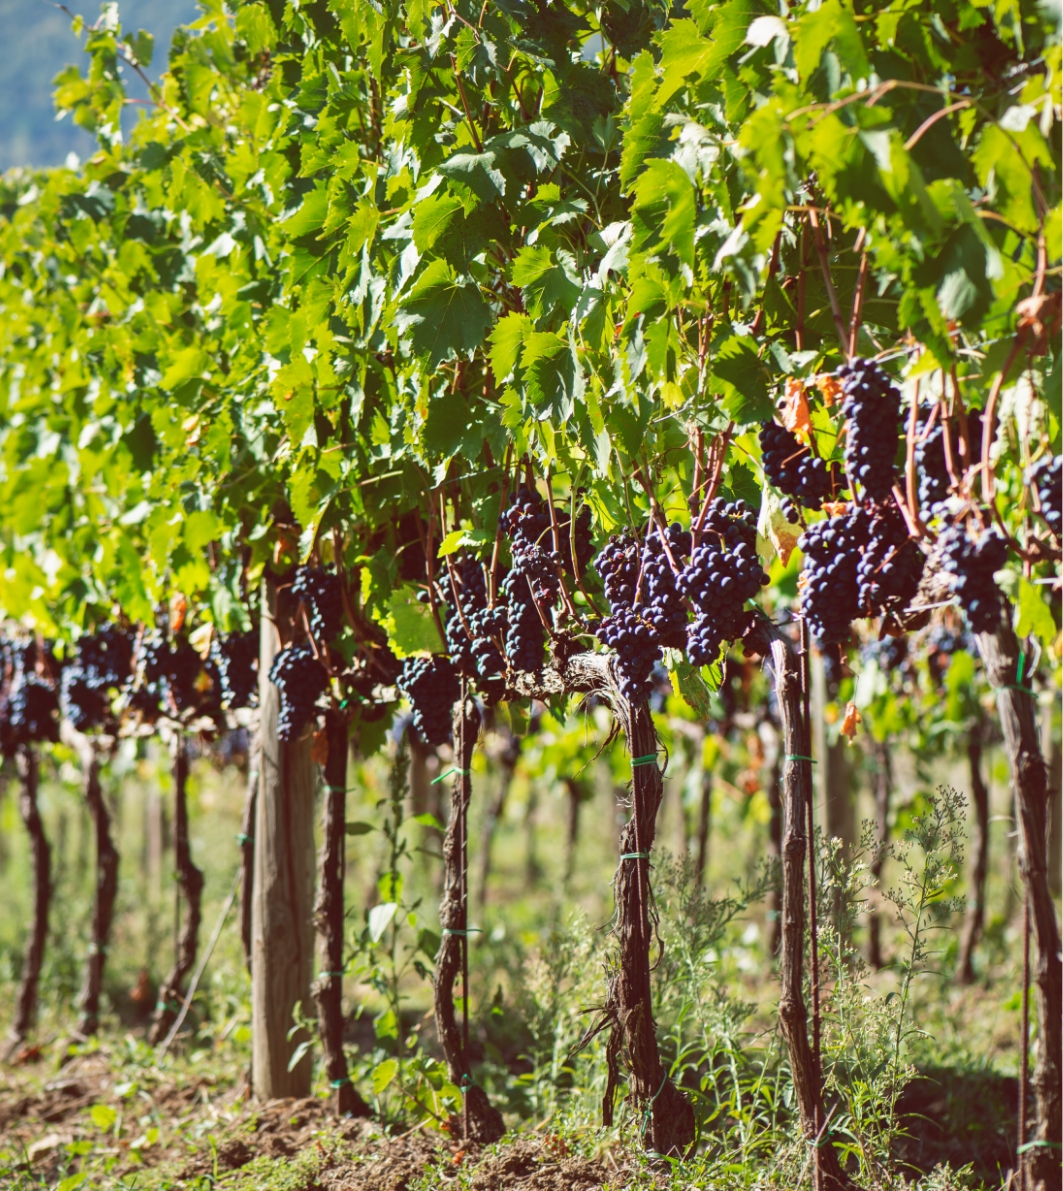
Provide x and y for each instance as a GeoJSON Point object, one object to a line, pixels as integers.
{"type": "Point", "coordinates": [704, 818]}
{"type": "Point", "coordinates": [974, 923]}
{"type": "Point", "coordinates": [1016, 707]}
{"type": "Point", "coordinates": [328, 918]}
{"type": "Point", "coordinates": [106, 891]}
{"type": "Point", "coordinates": [1051, 743]}
{"type": "Point", "coordinates": [482, 1121]}
{"type": "Point", "coordinates": [883, 790]}
{"type": "Point", "coordinates": [793, 1015]}
{"type": "Point", "coordinates": [190, 887]}
{"type": "Point", "coordinates": [246, 840]}
{"type": "Point", "coordinates": [775, 827]}
{"type": "Point", "coordinates": [668, 1119]}
{"type": "Point", "coordinates": [26, 1002]}
{"type": "Point", "coordinates": [282, 927]}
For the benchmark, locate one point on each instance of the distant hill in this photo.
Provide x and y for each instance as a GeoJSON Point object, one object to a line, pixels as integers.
{"type": "Point", "coordinates": [40, 43]}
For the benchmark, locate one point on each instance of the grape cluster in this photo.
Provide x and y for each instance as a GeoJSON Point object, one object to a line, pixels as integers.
{"type": "Point", "coordinates": [792, 468]}
{"type": "Point", "coordinates": [172, 673]}
{"type": "Point", "coordinates": [891, 566]}
{"type": "Point", "coordinates": [321, 593]}
{"type": "Point", "coordinates": [528, 524]}
{"type": "Point", "coordinates": [833, 550]}
{"type": "Point", "coordinates": [664, 608]}
{"type": "Point", "coordinates": [943, 642]}
{"type": "Point", "coordinates": [618, 567]}
{"type": "Point", "coordinates": [235, 659]}
{"type": "Point", "coordinates": [889, 653]}
{"type": "Point", "coordinates": [1047, 478]}
{"type": "Point", "coordinates": [302, 680]}
{"type": "Point", "coordinates": [931, 462]}
{"type": "Point", "coordinates": [525, 634]}
{"type": "Point", "coordinates": [476, 652]}
{"type": "Point", "coordinates": [969, 565]}
{"type": "Point", "coordinates": [29, 709]}
{"type": "Point", "coordinates": [101, 663]}
{"type": "Point", "coordinates": [722, 574]}
{"type": "Point", "coordinates": [431, 685]}
{"type": "Point", "coordinates": [872, 405]}
{"type": "Point", "coordinates": [634, 641]}
{"type": "Point", "coordinates": [933, 470]}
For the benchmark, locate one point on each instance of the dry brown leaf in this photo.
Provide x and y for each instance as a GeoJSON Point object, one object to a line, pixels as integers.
{"type": "Point", "coordinates": [851, 721]}
{"type": "Point", "coordinates": [795, 413]}
{"type": "Point", "coordinates": [319, 748]}
{"type": "Point", "coordinates": [830, 388]}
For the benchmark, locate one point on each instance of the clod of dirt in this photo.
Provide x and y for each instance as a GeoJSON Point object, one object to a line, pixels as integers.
{"type": "Point", "coordinates": [234, 1154]}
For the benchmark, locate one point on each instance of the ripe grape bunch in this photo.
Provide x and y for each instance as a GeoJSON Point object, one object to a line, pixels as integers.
{"type": "Point", "coordinates": [525, 633]}
{"type": "Point", "coordinates": [29, 709]}
{"type": "Point", "coordinates": [171, 673]}
{"type": "Point", "coordinates": [321, 593]}
{"type": "Point", "coordinates": [475, 652]}
{"type": "Point", "coordinates": [891, 565]}
{"type": "Point", "coordinates": [431, 685]}
{"type": "Point", "coordinates": [722, 574]}
{"type": "Point", "coordinates": [235, 658]}
{"type": "Point", "coordinates": [792, 468]}
{"type": "Point", "coordinates": [831, 595]}
{"type": "Point", "coordinates": [1047, 478]}
{"type": "Point", "coordinates": [527, 521]}
{"type": "Point", "coordinates": [969, 564]}
{"type": "Point", "coordinates": [634, 641]}
{"type": "Point", "coordinates": [101, 663]}
{"type": "Point", "coordinates": [931, 461]}
{"type": "Point", "coordinates": [664, 608]}
{"type": "Point", "coordinates": [618, 567]}
{"type": "Point", "coordinates": [872, 405]}
{"type": "Point", "coordinates": [302, 680]}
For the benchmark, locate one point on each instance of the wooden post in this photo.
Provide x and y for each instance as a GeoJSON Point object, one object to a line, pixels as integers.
{"type": "Point", "coordinates": [328, 918]}
{"type": "Point", "coordinates": [246, 840]}
{"type": "Point", "coordinates": [1016, 706]}
{"type": "Point", "coordinates": [26, 1002]}
{"type": "Point", "coordinates": [282, 929]}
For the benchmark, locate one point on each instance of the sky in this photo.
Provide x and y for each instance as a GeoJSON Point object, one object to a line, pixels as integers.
{"type": "Point", "coordinates": [41, 43]}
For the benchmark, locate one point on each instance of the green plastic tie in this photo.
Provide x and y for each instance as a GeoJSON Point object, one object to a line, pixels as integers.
{"type": "Point", "coordinates": [242, 838]}
{"type": "Point", "coordinates": [469, 930]}
{"type": "Point", "coordinates": [443, 776]}
{"type": "Point", "coordinates": [649, 1107]}
{"type": "Point", "coordinates": [649, 759]}
{"type": "Point", "coordinates": [1017, 684]}
{"type": "Point", "coordinates": [333, 973]}
{"type": "Point", "coordinates": [1039, 1143]}
{"type": "Point", "coordinates": [341, 789]}
{"type": "Point", "coordinates": [338, 1083]}
{"type": "Point", "coordinates": [634, 856]}
{"type": "Point", "coordinates": [467, 1082]}
{"type": "Point", "coordinates": [800, 757]}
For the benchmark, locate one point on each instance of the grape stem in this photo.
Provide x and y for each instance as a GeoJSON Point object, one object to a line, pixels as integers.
{"type": "Point", "coordinates": [824, 264]}
{"type": "Point", "coordinates": [555, 532]}
{"type": "Point", "coordinates": [492, 578]}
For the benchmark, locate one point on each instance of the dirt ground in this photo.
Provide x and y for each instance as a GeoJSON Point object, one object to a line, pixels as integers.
{"type": "Point", "coordinates": [218, 1131]}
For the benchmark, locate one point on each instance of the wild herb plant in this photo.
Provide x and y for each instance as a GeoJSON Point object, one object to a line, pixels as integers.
{"type": "Point", "coordinates": [866, 1033]}
{"type": "Point", "coordinates": [390, 950]}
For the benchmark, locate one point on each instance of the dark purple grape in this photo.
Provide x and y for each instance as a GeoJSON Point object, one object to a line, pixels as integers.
{"type": "Point", "coordinates": [302, 680]}
{"type": "Point", "coordinates": [431, 685]}
{"type": "Point", "coordinates": [321, 593]}
{"type": "Point", "coordinates": [872, 405]}
{"type": "Point", "coordinates": [969, 564]}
